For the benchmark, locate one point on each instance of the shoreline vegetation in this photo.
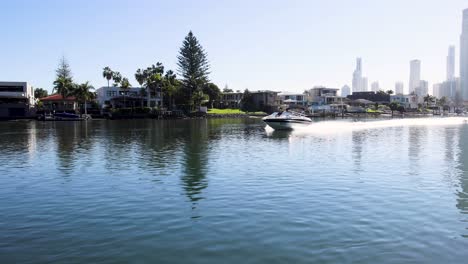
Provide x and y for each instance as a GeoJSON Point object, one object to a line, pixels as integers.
{"type": "Point", "coordinates": [191, 94]}
{"type": "Point", "coordinates": [163, 92]}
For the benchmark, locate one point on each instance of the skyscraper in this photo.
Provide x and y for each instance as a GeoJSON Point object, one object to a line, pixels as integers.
{"type": "Point", "coordinates": [448, 89]}
{"type": "Point", "coordinates": [436, 90]}
{"type": "Point", "coordinates": [399, 87]}
{"type": "Point", "coordinates": [464, 57]}
{"type": "Point", "coordinates": [451, 63]}
{"type": "Point", "coordinates": [345, 91]}
{"type": "Point", "coordinates": [357, 76]}
{"type": "Point", "coordinates": [422, 89]}
{"type": "Point", "coordinates": [415, 75]}
{"type": "Point", "coordinates": [364, 84]}
{"type": "Point", "coordinates": [375, 87]}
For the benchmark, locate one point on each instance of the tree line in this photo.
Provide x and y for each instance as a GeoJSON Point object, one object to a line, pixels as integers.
{"type": "Point", "coordinates": [191, 89]}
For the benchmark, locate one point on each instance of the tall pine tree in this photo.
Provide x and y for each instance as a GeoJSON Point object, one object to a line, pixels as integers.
{"type": "Point", "coordinates": [193, 67]}
{"type": "Point", "coordinates": [63, 83]}
{"type": "Point", "coordinates": [63, 70]}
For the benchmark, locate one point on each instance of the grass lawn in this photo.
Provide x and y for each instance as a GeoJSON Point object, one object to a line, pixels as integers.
{"type": "Point", "coordinates": [372, 111]}
{"type": "Point", "coordinates": [228, 111]}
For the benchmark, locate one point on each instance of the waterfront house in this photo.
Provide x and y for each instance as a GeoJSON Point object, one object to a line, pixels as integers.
{"type": "Point", "coordinates": [322, 96]}
{"type": "Point", "coordinates": [410, 101]}
{"type": "Point", "coordinates": [323, 99]}
{"type": "Point", "coordinates": [56, 103]}
{"type": "Point", "coordinates": [16, 99]}
{"type": "Point", "coordinates": [265, 100]}
{"type": "Point", "coordinates": [230, 100]}
{"type": "Point", "coordinates": [116, 97]}
{"type": "Point", "coordinates": [293, 99]}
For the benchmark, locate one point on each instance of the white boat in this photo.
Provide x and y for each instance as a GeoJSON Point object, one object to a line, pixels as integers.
{"type": "Point", "coordinates": [286, 120]}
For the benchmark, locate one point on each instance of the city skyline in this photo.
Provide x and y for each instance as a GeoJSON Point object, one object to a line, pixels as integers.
{"type": "Point", "coordinates": [308, 43]}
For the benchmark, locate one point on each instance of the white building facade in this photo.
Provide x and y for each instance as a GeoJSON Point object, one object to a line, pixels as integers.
{"type": "Point", "coordinates": [410, 101]}
{"type": "Point", "coordinates": [16, 99]}
{"type": "Point", "coordinates": [292, 98]}
{"type": "Point", "coordinates": [107, 96]}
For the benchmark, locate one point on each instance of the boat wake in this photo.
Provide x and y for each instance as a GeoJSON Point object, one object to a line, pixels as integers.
{"type": "Point", "coordinates": [336, 127]}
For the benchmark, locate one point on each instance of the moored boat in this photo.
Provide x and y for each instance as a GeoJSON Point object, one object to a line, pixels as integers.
{"type": "Point", "coordinates": [60, 117]}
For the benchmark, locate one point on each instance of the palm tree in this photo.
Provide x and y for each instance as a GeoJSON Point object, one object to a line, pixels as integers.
{"type": "Point", "coordinates": [143, 93]}
{"type": "Point", "coordinates": [154, 83]}
{"type": "Point", "coordinates": [199, 97]}
{"type": "Point", "coordinates": [125, 85]}
{"type": "Point", "coordinates": [169, 85]}
{"type": "Point", "coordinates": [141, 76]}
{"type": "Point", "coordinates": [117, 78]}
{"type": "Point", "coordinates": [64, 87]}
{"type": "Point", "coordinates": [443, 102]}
{"type": "Point", "coordinates": [108, 74]}
{"type": "Point", "coordinates": [83, 94]}
{"type": "Point", "coordinates": [427, 99]}
{"type": "Point", "coordinates": [393, 106]}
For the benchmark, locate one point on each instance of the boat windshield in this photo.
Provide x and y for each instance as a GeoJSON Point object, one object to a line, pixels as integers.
{"type": "Point", "coordinates": [286, 114]}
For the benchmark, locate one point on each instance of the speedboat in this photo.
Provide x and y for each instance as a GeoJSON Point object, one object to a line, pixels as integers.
{"type": "Point", "coordinates": [286, 120]}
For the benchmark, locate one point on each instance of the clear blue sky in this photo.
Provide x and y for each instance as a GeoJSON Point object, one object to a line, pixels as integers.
{"type": "Point", "coordinates": [257, 44]}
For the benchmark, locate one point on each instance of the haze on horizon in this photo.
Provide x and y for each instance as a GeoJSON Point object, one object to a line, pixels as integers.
{"type": "Point", "coordinates": [276, 45]}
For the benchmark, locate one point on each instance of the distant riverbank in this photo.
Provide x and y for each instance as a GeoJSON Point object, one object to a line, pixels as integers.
{"type": "Point", "coordinates": [240, 114]}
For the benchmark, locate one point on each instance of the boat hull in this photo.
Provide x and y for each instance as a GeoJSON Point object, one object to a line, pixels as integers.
{"type": "Point", "coordinates": [285, 124]}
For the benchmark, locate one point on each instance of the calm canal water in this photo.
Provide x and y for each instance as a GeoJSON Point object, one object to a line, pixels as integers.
{"type": "Point", "coordinates": [230, 191]}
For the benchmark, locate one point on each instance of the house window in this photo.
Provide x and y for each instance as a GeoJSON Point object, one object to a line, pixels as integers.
{"type": "Point", "coordinates": [11, 88]}
{"type": "Point", "coordinates": [111, 93]}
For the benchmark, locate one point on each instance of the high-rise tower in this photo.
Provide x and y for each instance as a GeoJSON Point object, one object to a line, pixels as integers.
{"type": "Point", "coordinates": [415, 75]}
{"type": "Point", "coordinates": [357, 76]}
{"type": "Point", "coordinates": [464, 57]}
{"type": "Point", "coordinates": [451, 63]}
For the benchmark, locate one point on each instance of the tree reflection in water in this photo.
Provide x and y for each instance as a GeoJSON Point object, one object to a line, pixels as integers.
{"type": "Point", "coordinates": [195, 161]}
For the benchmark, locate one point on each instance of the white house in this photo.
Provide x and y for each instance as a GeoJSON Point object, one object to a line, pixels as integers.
{"type": "Point", "coordinates": [133, 96]}
{"type": "Point", "coordinates": [292, 98]}
{"type": "Point", "coordinates": [323, 96]}
{"type": "Point", "coordinates": [410, 101]}
{"type": "Point", "coordinates": [16, 99]}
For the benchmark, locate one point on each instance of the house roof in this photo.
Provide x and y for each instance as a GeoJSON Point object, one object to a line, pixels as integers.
{"type": "Point", "coordinates": [57, 97]}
